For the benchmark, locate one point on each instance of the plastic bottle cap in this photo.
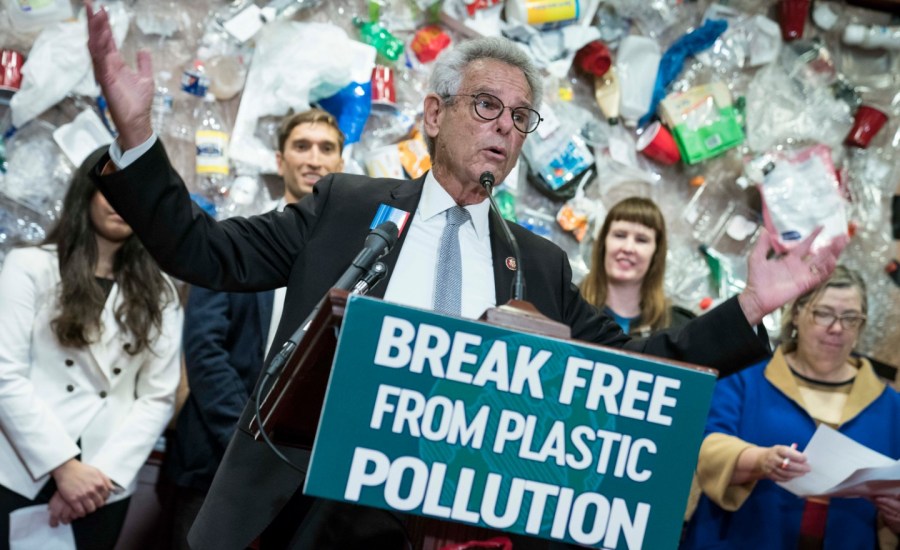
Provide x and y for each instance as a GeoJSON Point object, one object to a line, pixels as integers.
{"type": "Point", "coordinates": [824, 16]}
{"type": "Point", "coordinates": [854, 34]}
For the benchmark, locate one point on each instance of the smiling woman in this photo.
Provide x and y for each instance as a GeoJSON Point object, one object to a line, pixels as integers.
{"type": "Point", "coordinates": [628, 265]}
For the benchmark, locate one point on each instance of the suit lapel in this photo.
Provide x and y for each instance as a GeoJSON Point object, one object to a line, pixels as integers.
{"type": "Point", "coordinates": [404, 196]}
{"type": "Point", "coordinates": [103, 348]}
{"type": "Point", "coordinates": [500, 251]}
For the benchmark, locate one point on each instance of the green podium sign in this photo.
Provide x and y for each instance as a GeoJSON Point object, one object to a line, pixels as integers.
{"type": "Point", "coordinates": [473, 423]}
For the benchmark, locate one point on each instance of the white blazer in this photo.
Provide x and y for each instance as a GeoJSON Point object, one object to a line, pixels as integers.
{"type": "Point", "coordinates": [51, 396]}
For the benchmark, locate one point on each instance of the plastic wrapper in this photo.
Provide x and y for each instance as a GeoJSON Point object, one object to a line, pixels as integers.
{"type": "Point", "coordinates": [17, 226]}
{"type": "Point", "coordinates": [653, 17]}
{"type": "Point", "coordinates": [161, 18]}
{"type": "Point", "coordinates": [288, 73]}
{"type": "Point", "coordinates": [553, 49]}
{"type": "Point", "coordinates": [557, 153]}
{"type": "Point", "coordinates": [578, 214]}
{"type": "Point", "coordinates": [789, 180]}
{"type": "Point", "coordinates": [38, 172]}
{"type": "Point", "coordinates": [245, 196]}
{"type": "Point", "coordinates": [749, 41]}
{"type": "Point", "coordinates": [870, 184]}
{"type": "Point", "coordinates": [792, 100]}
{"type": "Point", "coordinates": [55, 69]}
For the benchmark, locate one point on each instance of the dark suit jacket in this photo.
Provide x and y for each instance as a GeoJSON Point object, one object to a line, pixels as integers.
{"type": "Point", "coordinates": [306, 248]}
{"type": "Point", "coordinates": [224, 343]}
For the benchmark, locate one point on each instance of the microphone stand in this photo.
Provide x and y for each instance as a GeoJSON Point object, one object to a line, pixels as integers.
{"type": "Point", "coordinates": [518, 289]}
{"type": "Point", "coordinates": [518, 314]}
{"type": "Point", "coordinates": [364, 273]}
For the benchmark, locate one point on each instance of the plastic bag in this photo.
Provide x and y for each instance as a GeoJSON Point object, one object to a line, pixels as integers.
{"type": "Point", "coordinates": [55, 68]}
{"type": "Point", "coordinates": [289, 72]}
{"type": "Point", "coordinates": [790, 180]}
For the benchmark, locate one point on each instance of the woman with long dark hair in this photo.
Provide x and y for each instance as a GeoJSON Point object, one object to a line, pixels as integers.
{"type": "Point", "coordinates": [90, 337]}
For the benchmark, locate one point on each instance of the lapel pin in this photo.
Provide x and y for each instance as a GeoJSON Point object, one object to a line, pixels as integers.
{"type": "Point", "coordinates": [511, 263]}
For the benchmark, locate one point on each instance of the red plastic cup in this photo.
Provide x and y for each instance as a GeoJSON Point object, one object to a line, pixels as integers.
{"type": "Point", "coordinates": [867, 122]}
{"type": "Point", "coordinates": [383, 90]}
{"type": "Point", "coordinates": [594, 58]}
{"type": "Point", "coordinates": [793, 18]}
{"type": "Point", "coordinates": [657, 143]}
{"type": "Point", "coordinates": [11, 69]}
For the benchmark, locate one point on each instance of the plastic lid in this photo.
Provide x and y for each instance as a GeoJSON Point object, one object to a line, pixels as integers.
{"type": "Point", "coordinates": [824, 16]}
{"type": "Point", "coordinates": [854, 34]}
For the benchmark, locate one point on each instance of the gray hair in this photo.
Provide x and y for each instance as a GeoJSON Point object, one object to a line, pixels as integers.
{"type": "Point", "coordinates": [842, 277]}
{"type": "Point", "coordinates": [447, 75]}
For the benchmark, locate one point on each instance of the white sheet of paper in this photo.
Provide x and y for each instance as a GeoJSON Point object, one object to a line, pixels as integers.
{"type": "Point", "coordinates": [870, 482]}
{"type": "Point", "coordinates": [29, 528]}
{"type": "Point", "coordinates": [833, 457]}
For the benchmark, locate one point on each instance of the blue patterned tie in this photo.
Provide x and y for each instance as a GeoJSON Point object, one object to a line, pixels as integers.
{"type": "Point", "coordinates": [448, 273]}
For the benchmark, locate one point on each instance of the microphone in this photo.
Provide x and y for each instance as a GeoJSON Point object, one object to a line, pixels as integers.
{"type": "Point", "coordinates": [363, 274]}
{"type": "Point", "coordinates": [370, 279]}
{"type": "Point", "coordinates": [378, 243]}
{"type": "Point", "coordinates": [518, 291]}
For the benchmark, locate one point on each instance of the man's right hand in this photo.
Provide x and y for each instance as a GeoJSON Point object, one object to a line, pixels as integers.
{"type": "Point", "coordinates": [83, 487]}
{"type": "Point", "coordinates": [129, 93]}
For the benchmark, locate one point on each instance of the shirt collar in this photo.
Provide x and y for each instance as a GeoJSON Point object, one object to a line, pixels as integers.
{"type": "Point", "coordinates": [435, 200]}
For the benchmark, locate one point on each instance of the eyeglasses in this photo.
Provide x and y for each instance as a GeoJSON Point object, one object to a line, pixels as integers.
{"type": "Point", "coordinates": [825, 318]}
{"type": "Point", "coordinates": [490, 107]}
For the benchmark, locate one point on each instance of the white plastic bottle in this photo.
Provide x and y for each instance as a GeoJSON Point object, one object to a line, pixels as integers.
{"type": "Point", "coordinates": [636, 66]}
{"type": "Point", "coordinates": [877, 36]}
{"type": "Point", "coordinates": [211, 139]}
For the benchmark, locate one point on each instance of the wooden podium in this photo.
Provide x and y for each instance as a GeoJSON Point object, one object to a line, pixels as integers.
{"type": "Point", "coordinates": [290, 410]}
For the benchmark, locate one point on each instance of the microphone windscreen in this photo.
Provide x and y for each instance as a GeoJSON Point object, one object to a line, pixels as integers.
{"type": "Point", "coordinates": [388, 231]}
{"type": "Point", "coordinates": [487, 178]}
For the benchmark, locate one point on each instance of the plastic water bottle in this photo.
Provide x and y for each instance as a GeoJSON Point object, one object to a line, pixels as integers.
{"type": "Point", "coordinates": [162, 104]}
{"type": "Point", "coordinates": [211, 139]}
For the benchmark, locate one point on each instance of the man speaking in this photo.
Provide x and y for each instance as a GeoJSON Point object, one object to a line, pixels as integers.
{"type": "Point", "coordinates": [484, 100]}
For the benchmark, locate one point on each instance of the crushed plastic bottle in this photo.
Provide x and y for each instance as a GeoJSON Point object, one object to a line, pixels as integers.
{"type": "Point", "coordinates": [211, 139]}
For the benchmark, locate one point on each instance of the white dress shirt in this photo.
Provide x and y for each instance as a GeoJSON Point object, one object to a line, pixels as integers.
{"type": "Point", "coordinates": [412, 282]}
{"type": "Point", "coordinates": [277, 301]}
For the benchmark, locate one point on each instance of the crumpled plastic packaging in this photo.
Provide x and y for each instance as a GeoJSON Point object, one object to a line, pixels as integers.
{"type": "Point", "coordinates": [791, 179]}
{"type": "Point", "coordinates": [59, 64]}
{"type": "Point", "coordinates": [288, 72]}
{"type": "Point", "coordinates": [783, 106]}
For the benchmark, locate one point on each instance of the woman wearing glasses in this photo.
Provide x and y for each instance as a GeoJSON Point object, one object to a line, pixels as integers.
{"type": "Point", "coordinates": [761, 415]}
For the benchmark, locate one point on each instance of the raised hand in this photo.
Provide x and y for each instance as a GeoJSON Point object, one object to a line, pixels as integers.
{"type": "Point", "coordinates": [83, 487]}
{"type": "Point", "coordinates": [773, 282]}
{"type": "Point", "coordinates": [129, 93]}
